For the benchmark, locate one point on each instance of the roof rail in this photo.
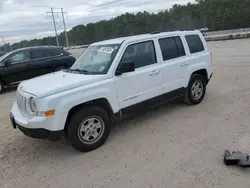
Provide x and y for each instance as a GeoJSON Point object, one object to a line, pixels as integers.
{"type": "Point", "coordinates": [171, 30]}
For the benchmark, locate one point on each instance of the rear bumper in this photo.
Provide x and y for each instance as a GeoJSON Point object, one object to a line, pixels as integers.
{"type": "Point", "coordinates": [37, 133]}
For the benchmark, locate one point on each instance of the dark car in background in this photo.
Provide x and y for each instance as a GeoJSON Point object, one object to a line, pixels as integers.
{"type": "Point", "coordinates": [27, 63]}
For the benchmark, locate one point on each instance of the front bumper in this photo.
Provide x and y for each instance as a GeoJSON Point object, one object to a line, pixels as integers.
{"type": "Point", "coordinates": [33, 128]}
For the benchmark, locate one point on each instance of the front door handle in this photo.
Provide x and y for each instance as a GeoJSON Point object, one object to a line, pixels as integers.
{"type": "Point", "coordinates": [154, 72]}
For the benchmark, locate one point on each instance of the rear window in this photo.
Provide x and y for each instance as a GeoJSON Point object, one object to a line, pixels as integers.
{"type": "Point", "coordinates": [45, 53]}
{"type": "Point", "coordinates": [194, 43]}
{"type": "Point", "coordinates": [37, 54]}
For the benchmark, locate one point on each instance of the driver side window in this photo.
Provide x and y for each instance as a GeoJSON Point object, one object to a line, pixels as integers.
{"type": "Point", "coordinates": [20, 57]}
{"type": "Point", "coordinates": [142, 54]}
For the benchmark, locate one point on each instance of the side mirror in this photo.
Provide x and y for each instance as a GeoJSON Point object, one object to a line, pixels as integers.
{"type": "Point", "coordinates": [6, 63]}
{"type": "Point", "coordinates": [127, 66]}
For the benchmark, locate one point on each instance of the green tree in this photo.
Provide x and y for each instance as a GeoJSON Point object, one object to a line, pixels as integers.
{"type": "Point", "coordinates": [214, 14]}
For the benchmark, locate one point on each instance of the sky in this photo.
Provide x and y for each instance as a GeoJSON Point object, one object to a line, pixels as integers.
{"type": "Point", "coordinates": [27, 19]}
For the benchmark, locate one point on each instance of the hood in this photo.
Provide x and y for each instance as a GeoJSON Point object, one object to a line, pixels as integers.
{"type": "Point", "coordinates": [53, 83]}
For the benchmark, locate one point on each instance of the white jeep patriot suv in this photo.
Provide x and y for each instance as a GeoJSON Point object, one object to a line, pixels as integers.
{"type": "Point", "coordinates": [111, 80]}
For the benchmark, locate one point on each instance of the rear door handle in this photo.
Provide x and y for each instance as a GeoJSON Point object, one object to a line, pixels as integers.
{"type": "Point", "coordinates": [154, 72]}
{"type": "Point", "coordinates": [184, 64]}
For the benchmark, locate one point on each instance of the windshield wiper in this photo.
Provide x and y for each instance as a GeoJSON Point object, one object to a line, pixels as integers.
{"type": "Point", "coordinates": [79, 70]}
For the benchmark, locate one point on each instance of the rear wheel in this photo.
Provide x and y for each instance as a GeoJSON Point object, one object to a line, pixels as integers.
{"type": "Point", "coordinates": [196, 89]}
{"type": "Point", "coordinates": [89, 128]}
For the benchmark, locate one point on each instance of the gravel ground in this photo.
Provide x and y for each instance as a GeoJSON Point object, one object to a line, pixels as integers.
{"type": "Point", "coordinates": [76, 52]}
{"type": "Point", "coordinates": [171, 146]}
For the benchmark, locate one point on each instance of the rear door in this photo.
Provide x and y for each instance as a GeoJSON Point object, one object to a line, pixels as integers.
{"type": "Point", "coordinates": [57, 60]}
{"type": "Point", "coordinates": [68, 59]}
{"type": "Point", "coordinates": [17, 68]}
{"type": "Point", "coordinates": [44, 61]}
{"type": "Point", "coordinates": [173, 63]}
{"type": "Point", "coordinates": [199, 57]}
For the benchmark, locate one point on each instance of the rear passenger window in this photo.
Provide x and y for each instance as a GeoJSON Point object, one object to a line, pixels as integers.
{"type": "Point", "coordinates": [180, 48]}
{"type": "Point", "coordinates": [39, 54]}
{"type": "Point", "coordinates": [142, 54]}
{"type": "Point", "coordinates": [55, 53]}
{"type": "Point", "coordinates": [194, 43]}
{"type": "Point", "coordinates": [171, 48]}
{"type": "Point", "coordinates": [44, 53]}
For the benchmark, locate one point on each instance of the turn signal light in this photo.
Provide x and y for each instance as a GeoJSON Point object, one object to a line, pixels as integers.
{"type": "Point", "coordinates": [50, 113]}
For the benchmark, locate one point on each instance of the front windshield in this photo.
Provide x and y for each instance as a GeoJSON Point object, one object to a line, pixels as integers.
{"type": "Point", "coordinates": [96, 59]}
{"type": "Point", "coordinates": [4, 56]}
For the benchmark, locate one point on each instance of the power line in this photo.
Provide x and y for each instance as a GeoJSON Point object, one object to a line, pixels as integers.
{"type": "Point", "coordinates": [107, 5]}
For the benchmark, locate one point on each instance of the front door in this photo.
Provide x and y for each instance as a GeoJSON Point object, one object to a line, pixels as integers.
{"type": "Point", "coordinates": [145, 82]}
{"type": "Point", "coordinates": [17, 67]}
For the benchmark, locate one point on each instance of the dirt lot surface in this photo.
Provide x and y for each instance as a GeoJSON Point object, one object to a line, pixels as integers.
{"type": "Point", "coordinates": [171, 146]}
{"type": "Point", "coordinates": [76, 52]}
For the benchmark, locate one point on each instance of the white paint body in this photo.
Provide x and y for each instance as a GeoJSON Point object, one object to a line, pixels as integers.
{"type": "Point", "coordinates": [62, 91]}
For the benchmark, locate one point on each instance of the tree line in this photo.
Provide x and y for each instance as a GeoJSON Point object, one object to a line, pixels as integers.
{"type": "Point", "coordinates": [213, 14]}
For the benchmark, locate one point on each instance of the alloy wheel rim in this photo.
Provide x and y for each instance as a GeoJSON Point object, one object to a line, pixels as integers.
{"type": "Point", "coordinates": [197, 90]}
{"type": "Point", "coordinates": [91, 129]}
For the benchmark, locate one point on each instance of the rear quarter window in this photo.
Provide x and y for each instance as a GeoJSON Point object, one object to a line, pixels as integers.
{"type": "Point", "coordinates": [194, 43]}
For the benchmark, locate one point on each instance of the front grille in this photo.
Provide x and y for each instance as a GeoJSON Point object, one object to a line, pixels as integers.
{"type": "Point", "coordinates": [21, 103]}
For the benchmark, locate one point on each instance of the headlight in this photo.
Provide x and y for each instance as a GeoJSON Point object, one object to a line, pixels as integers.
{"type": "Point", "coordinates": [32, 105]}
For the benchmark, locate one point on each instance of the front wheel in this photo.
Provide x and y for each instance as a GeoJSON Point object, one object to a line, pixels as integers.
{"type": "Point", "coordinates": [89, 128]}
{"type": "Point", "coordinates": [196, 89]}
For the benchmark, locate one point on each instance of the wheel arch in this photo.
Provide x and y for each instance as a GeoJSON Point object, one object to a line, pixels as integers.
{"type": "Point", "coordinates": [202, 72]}
{"type": "Point", "coordinates": [100, 102]}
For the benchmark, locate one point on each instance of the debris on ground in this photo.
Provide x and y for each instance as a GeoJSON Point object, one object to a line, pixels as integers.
{"type": "Point", "coordinates": [236, 158]}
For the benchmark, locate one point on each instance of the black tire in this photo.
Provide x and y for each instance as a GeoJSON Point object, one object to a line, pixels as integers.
{"type": "Point", "coordinates": [75, 124]}
{"type": "Point", "coordinates": [1, 87]}
{"type": "Point", "coordinates": [189, 98]}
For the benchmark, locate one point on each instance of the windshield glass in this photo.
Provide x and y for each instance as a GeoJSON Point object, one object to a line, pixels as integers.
{"type": "Point", "coordinates": [96, 59]}
{"type": "Point", "coordinates": [4, 56]}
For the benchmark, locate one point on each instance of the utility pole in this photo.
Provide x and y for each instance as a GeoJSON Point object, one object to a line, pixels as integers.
{"type": "Point", "coordinates": [4, 44]}
{"type": "Point", "coordinates": [65, 30]}
{"type": "Point", "coordinates": [57, 42]}
{"type": "Point", "coordinates": [62, 13]}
